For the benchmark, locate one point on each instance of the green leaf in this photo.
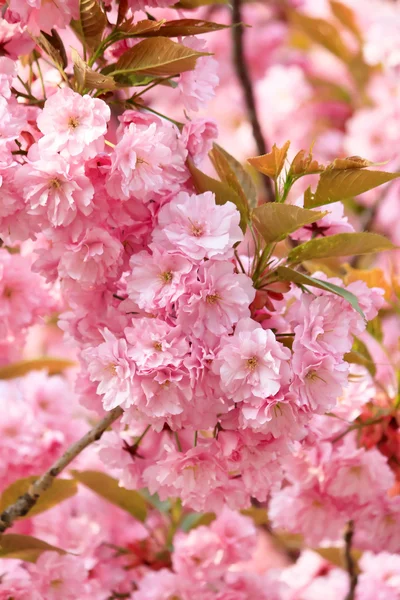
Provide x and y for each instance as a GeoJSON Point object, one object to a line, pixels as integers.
{"type": "Point", "coordinates": [223, 193]}
{"type": "Point", "coordinates": [276, 221]}
{"type": "Point", "coordinates": [360, 355]}
{"type": "Point", "coordinates": [92, 21]}
{"type": "Point", "coordinates": [157, 56]}
{"type": "Point", "coordinates": [183, 27]}
{"type": "Point", "coordinates": [52, 365]}
{"type": "Point", "coordinates": [193, 520]}
{"type": "Point", "coordinates": [87, 78]}
{"type": "Point", "coordinates": [286, 274]}
{"type": "Point", "coordinates": [341, 184]}
{"type": "Point", "coordinates": [108, 488]}
{"type": "Point", "coordinates": [341, 244]}
{"type": "Point", "coordinates": [231, 172]}
{"type": "Point", "coordinates": [323, 33]}
{"type": "Point", "coordinates": [24, 547]}
{"type": "Point", "coordinates": [60, 490]}
{"type": "Point", "coordinates": [141, 29]}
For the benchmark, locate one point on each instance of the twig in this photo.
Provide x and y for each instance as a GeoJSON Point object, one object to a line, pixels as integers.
{"type": "Point", "coordinates": [28, 500]}
{"type": "Point", "coordinates": [349, 561]}
{"type": "Point", "coordinates": [242, 72]}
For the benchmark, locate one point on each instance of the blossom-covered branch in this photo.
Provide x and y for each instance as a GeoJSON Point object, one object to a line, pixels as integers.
{"type": "Point", "coordinates": [27, 501]}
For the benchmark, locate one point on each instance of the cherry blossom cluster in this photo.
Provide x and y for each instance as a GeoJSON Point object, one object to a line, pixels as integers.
{"type": "Point", "coordinates": [234, 393]}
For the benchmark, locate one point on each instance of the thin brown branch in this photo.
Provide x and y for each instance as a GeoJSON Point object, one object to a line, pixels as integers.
{"type": "Point", "coordinates": [28, 500]}
{"type": "Point", "coordinates": [350, 564]}
{"type": "Point", "coordinates": [242, 72]}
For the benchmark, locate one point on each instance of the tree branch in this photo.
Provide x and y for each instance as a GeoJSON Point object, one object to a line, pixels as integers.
{"type": "Point", "coordinates": [349, 560]}
{"type": "Point", "coordinates": [245, 82]}
{"type": "Point", "coordinates": [27, 501]}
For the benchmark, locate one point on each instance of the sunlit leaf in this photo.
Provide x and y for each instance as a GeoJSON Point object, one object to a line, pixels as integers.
{"type": "Point", "coordinates": [341, 244]}
{"type": "Point", "coordinates": [340, 184]}
{"type": "Point", "coordinates": [92, 21]}
{"type": "Point", "coordinates": [53, 366]}
{"type": "Point", "coordinates": [157, 56]}
{"type": "Point", "coordinates": [183, 27]}
{"type": "Point", "coordinates": [271, 164]}
{"type": "Point", "coordinates": [108, 488]}
{"type": "Point", "coordinates": [60, 490]}
{"type": "Point", "coordinates": [276, 221]}
{"type": "Point", "coordinates": [231, 172]}
{"type": "Point", "coordinates": [372, 277]}
{"type": "Point", "coordinates": [360, 355]}
{"type": "Point", "coordinates": [87, 78]}
{"type": "Point", "coordinates": [223, 193]}
{"type": "Point", "coordinates": [322, 32]}
{"type": "Point", "coordinates": [58, 52]}
{"type": "Point", "coordinates": [335, 555]}
{"type": "Point", "coordinates": [52, 51]}
{"type": "Point", "coordinates": [303, 164]}
{"type": "Point", "coordinates": [257, 514]}
{"type": "Point", "coordinates": [346, 16]}
{"type": "Point", "coordinates": [286, 274]}
{"type": "Point", "coordinates": [24, 547]}
{"type": "Point", "coordinates": [351, 162]}
{"type": "Point", "coordinates": [139, 29]}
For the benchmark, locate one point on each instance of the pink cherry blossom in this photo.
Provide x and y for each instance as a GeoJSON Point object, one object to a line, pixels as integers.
{"type": "Point", "coordinates": [157, 280]}
{"type": "Point", "coordinates": [198, 86]}
{"type": "Point", "coordinates": [197, 227]}
{"type": "Point", "coordinates": [55, 189]}
{"type": "Point", "coordinates": [251, 363]}
{"type": "Point", "coordinates": [109, 365]}
{"type": "Point", "coordinates": [216, 301]}
{"type": "Point", "coordinates": [73, 124]}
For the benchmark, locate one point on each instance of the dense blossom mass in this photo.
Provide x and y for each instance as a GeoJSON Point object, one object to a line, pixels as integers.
{"type": "Point", "coordinates": [249, 348]}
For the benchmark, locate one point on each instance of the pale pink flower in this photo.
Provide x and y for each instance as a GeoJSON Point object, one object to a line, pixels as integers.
{"type": "Point", "coordinates": [216, 301]}
{"type": "Point", "coordinates": [157, 585]}
{"type": "Point", "coordinates": [73, 124]}
{"type": "Point", "coordinates": [138, 162]}
{"type": "Point", "coordinates": [251, 363]}
{"type": "Point", "coordinates": [157, 280]}
{"type": "Point", "coordinates": [199, 477]}
{"type": "Point", "coordinates": [155, 344]}
{"type": "Point", "coordinates": [331, 224]}
{"type": "Point", "coordinates": [24, 296]}
{"type": "Point", "coordinates": [321, 325]}
{"type": "Point", "coordinates": [58, 576]}
{"type": "Point", "coordinates": [39, 14]}
{"type": "Point", "coordinates": [198, 136]}
{"type": "Point", "coordinates": [197, 87]}
{"type": "Point", "coordinates": [109, 365]}
{"type": "Point", "coordinates": [7, 73]}
{"type": "Point", "coordinates": [318, 380]}
{"type": "Point", "coordinates": [96, 257]}
{"type": "Point", "coordinates": [197, 227]}
{"type": "Point", "coordinates": [14, 39]}
{"type": "Point", "coordinates": [280, 416]}
{"type": "Point", "coordinates": [55, 189]}
{"type": "Point", "coordinates": [380, 577]}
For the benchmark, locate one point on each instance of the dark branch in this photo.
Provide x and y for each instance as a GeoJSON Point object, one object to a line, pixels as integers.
{"type": "Point", "coordinates": [350, 564]}
{"type": "Point", "coordinates": [27, 501]}
{"type": "Point", "coordinates": [247, 88]}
